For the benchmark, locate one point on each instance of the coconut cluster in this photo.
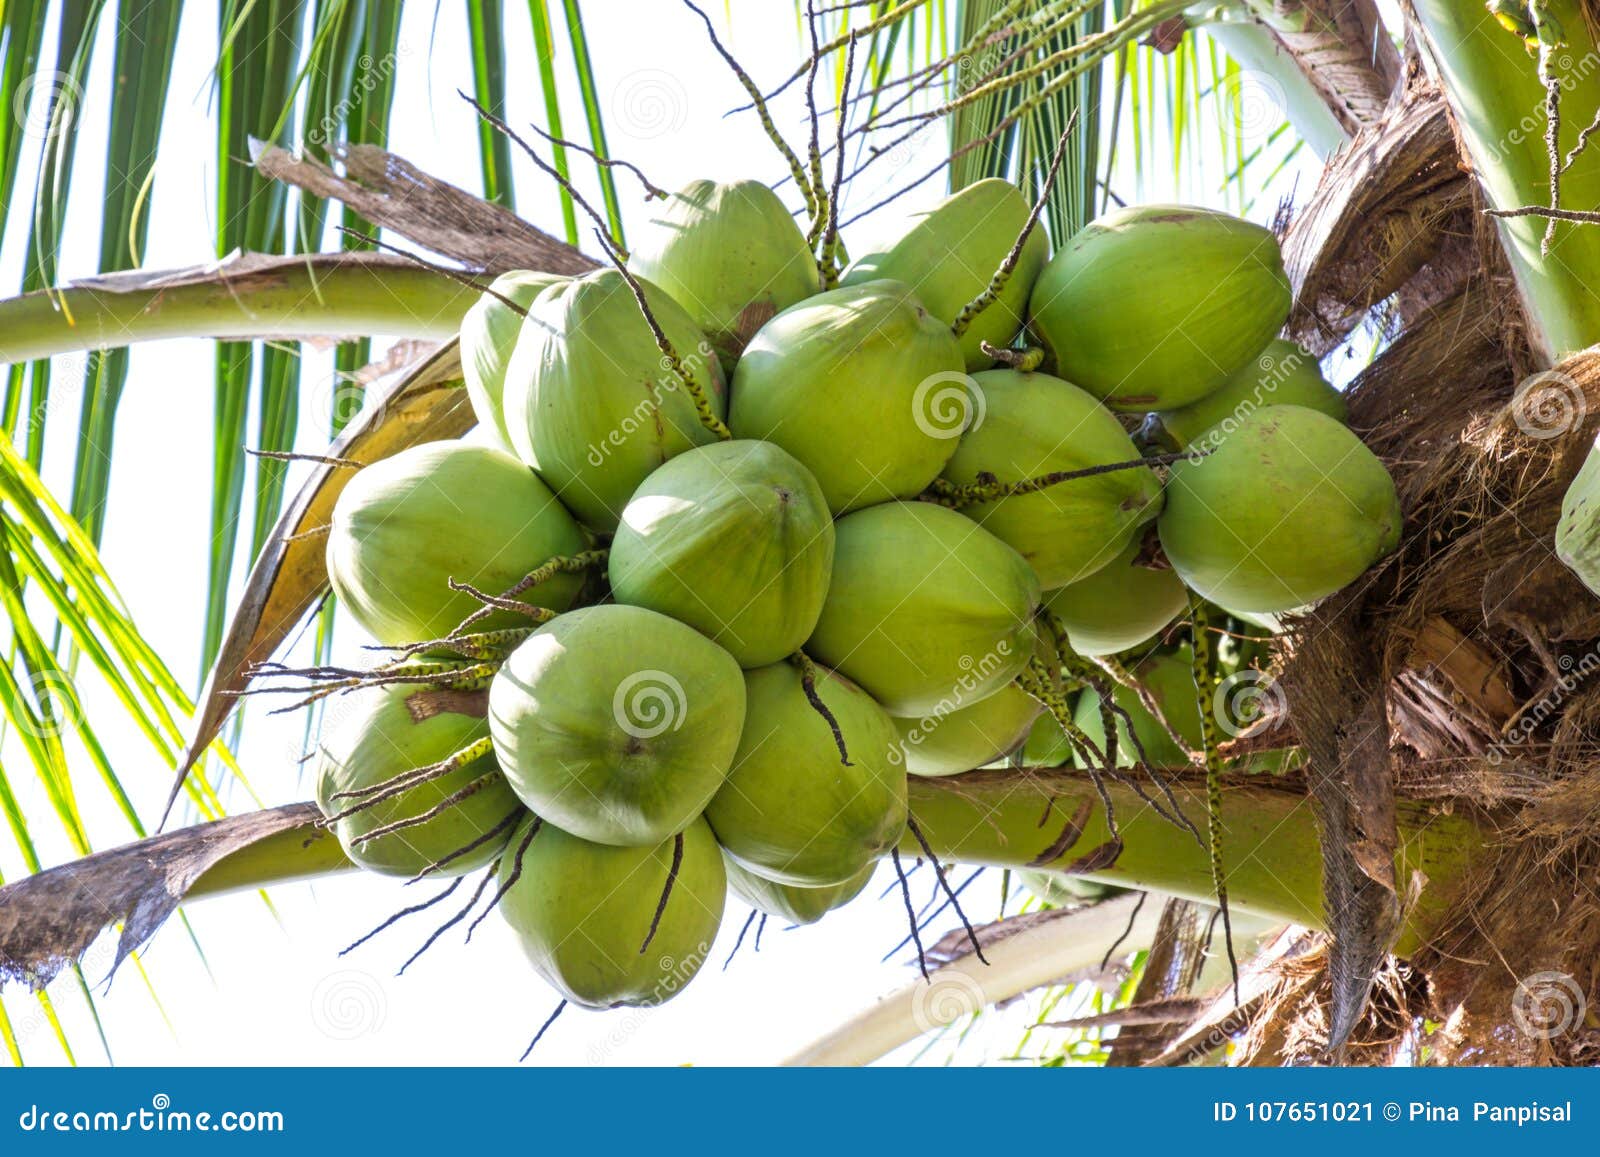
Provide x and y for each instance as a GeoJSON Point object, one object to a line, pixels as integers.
{"type": "Point", "coordinates": [739, 545]}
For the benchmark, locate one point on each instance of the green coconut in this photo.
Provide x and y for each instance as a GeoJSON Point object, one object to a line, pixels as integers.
{"type": "Point", "coordinates": [735, 540]}
{"type": "Point", "coordinates": [731, 254]}
{"type": "Point", "coordinates": [1121, 605]}
{"type": "Point", "coordinates": [406, 525]}
{"type": "Point", "coordinates": [863, 385]}
{"type": "Point", "coordinates": [395, 730]}
{"type": "Point", "coordinates": [961, 734]}
{"type": "Point", "coordinates": [1281, 375]}
{"type": "Point", "coordinates": [616, 723]}
{"type": "Point", "coordinates": [583, 912]}
{"type": "Point", "coordinates": [1170, 680]}
{"type": "Point", "coordinates": [1290, 507]}
{"type": "Point", "coordinates": [1035, 424]}
{"type": "Point", "coordinates": [489, 334]}
{"type": "Point", "coordinates": [949, 254]}
{"type": "Point", "coordinates": [924, 605]}
{"type": "Point", "coordinates": [792, 810]}
{"type": "Point", "coordinates": [791, 902]}
{"type": "Point", "coordinates": [1155, 306]}
{"type": "Point", "coordinates": [589, 399]}
{"type": "Point", "coordinates": [1578, 531]}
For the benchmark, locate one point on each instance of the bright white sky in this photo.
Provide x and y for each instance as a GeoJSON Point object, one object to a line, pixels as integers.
{"type": "Point", "coordinates": [271, 989]}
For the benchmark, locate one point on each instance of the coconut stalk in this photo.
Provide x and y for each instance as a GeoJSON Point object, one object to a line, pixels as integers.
{"type": "Point", "coordinates": [249, 296]}
{"type": "Point", "coordinates": [1498, 102]}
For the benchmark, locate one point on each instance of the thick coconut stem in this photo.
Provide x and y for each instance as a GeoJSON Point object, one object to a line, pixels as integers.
{"type": "Point", "coordinates": [808, 683]}
{"type": "Point", "coordinates": [1204, 686]}
{"type": "Point", "coordinates": [758, 102]}
{"type": "Point", "coordinates": [1023, 361]}
{"type": "Point", "coordinates": [957, 496]}
{"type": "Point", "coordinates": [669, 355]}
{"type": "Point", "coordinates": [1008, 265]}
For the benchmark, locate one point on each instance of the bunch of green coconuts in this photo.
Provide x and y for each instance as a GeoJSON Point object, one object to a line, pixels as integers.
{"type": "Point", "coordinates": [732, 553]}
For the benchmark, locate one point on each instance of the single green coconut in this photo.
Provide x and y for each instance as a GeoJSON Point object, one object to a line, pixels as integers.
{"type": "Point", "coordinates": [1121, 605]}
{"type": "Point", "coordinates": [1290, 507]}
{"type": "Point", "coordinates": [735, 540]}
{"type": "Point", "coordinates": [792, 810]}
{"type": "Point", "coordinates": [863, 385]}
{"type": "Point", "coordinates": [591, 403]}
{"type": "Point", "coordinates": [961, 734]}
{"type": "Point", "coordinates": [1578, 531]}
{"type": "Point", "coordinates": [584, 912]}
{"type": "Point", "coordinates": [731, 254]}
{"type": "Point", "coordinates": [924, 605]}
{"type": "Point", "coordinates": [1283, 374]}
{"type": "Point", "coordinates": [406, 525]}
{"type": "Point", "coordinates": [395, 730]}
{"type": "Point", "coordinates": [616, 723]}
{"type": "Point", "coordinates": [1169, 677]}
{"type": "Point", "coordinates": [1153, 307]}
{"type": "Point", "coordinates": [949, 254]}
{"type": "Point", "coordinates": [791, 902]}
{"type": "Point", "coordinates": [1035, 424]}
{"type": "Point", "coordinates": [489, 334]}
